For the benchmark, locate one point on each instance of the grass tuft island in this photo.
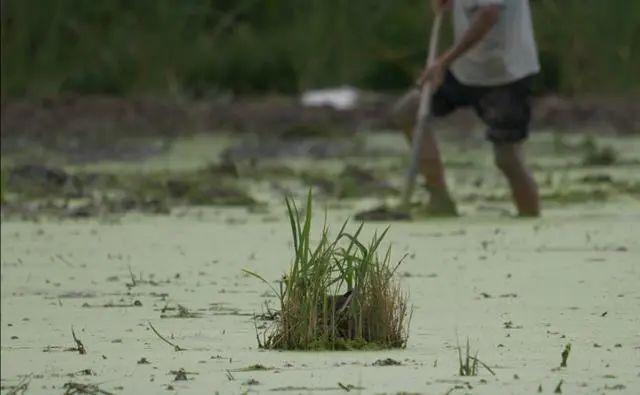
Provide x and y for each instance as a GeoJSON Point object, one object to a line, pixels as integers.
{"type": "Point", "coordinates": [341, 294]}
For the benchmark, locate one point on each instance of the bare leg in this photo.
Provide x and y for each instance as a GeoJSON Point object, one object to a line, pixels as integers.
{"type": "Point", "coordinates": [510, 160]}
{"type": "Point", "coordinates": [432, 169]}
{"type": "Point", "coordinates": [430, 161]}
{"type": "Point", "coordinates": [404, 115]}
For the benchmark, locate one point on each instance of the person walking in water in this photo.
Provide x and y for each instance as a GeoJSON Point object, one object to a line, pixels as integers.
{"type": "Point", "coordinates": [489, 68]}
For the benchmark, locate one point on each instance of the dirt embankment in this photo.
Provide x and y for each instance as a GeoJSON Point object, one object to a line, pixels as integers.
{"type": "Point", "coordinates": [44, 119]}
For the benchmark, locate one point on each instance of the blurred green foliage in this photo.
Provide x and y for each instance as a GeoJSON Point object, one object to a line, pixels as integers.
{"type": "Point", "coordinates": [197, 48]}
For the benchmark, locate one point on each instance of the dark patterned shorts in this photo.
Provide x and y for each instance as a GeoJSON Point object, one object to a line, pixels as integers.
{"type": "Point", "coordinates": [505, 109]}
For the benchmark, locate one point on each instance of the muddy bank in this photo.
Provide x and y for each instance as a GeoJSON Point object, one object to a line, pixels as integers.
{"type": "Point", "coordinates": [32, 190]}
{"type": "Point", "coordinates": [70, 122]}
{"type": "Point", "coordinates": [254, 171]}
{"type": "Point", "coordinates": [87, 124]}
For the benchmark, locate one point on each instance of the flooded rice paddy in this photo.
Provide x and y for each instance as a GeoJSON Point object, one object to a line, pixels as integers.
{"type": "Point", "coordinates": [519, 290]}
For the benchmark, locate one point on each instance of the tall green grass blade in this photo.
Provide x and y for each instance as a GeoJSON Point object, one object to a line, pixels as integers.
{"type": "Point", "coordinates": [292, 220]}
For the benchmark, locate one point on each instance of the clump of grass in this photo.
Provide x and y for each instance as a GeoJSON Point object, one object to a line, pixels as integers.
{"type": "Point", "coordinates": [351, 182]}
{"type": "Point", "coordinates": [338, 294]}
{"type": "Point", "coordinates": [598, 155]}
{"type": "Point", "coordinates": [468, 365]}
{"type": "Point", "coordinates": [603, 156]}
{"type": "Point", "coordinates": [465, 365]}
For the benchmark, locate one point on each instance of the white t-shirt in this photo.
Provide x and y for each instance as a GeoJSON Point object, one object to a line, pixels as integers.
{"type": "Point", "coordinates": [508, 51]}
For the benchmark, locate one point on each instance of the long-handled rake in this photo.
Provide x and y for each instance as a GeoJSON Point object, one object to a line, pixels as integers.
{"type": "Point", "coordinates": [424, 110]}
{"type": "Point", "coordinates": [419, 130]}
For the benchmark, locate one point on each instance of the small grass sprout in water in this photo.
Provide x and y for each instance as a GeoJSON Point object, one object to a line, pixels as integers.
{"type": "Point", "coordinates": [338, 294]}
{"type": "Point", "coordinates": [565, 355]}
{"type": "Point", "coordinates": [468, 365]}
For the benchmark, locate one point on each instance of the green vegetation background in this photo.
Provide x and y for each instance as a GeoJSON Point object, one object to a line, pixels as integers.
{"type": "Point", "coordinates": [197, 48]}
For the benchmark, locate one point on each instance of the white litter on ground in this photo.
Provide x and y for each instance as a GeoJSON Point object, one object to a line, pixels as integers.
{"type": "Point", "coordinates": [340, 98]}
